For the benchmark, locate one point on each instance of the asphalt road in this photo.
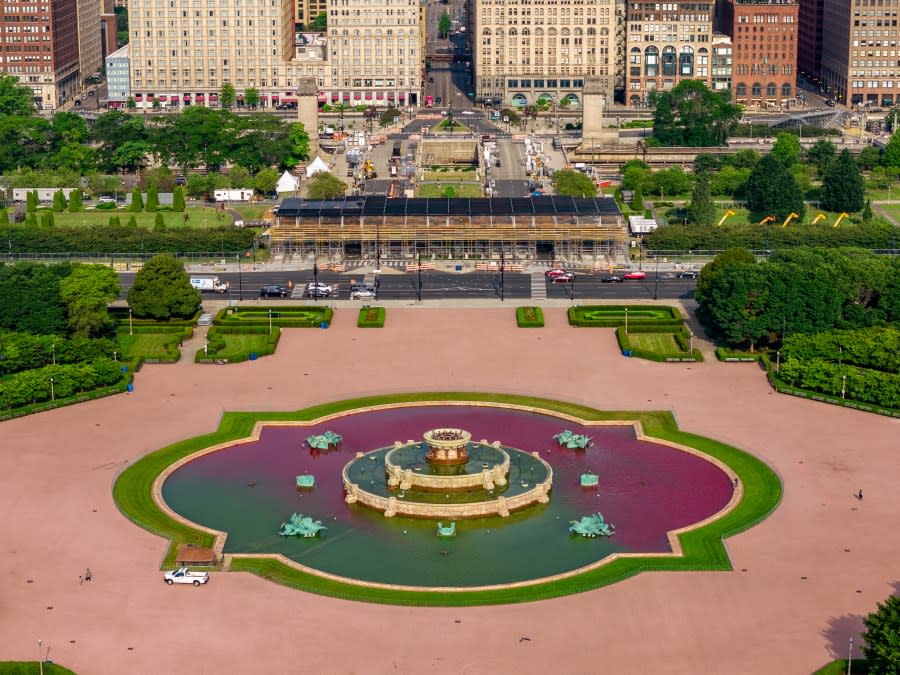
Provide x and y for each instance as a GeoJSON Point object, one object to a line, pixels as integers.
{"type": "Point", "coordinates": [447, 285]}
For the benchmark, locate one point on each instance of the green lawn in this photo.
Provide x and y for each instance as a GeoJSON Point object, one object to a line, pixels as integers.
{"type": "Point", "coordinates": [451, 175]}
{"type": "Point", "coordinates": [32, 668]}
{"type": "Point", "coordinates": [198, 216]}
{"type": "Point", "coordinates": [255, 212]}
{"type": "Point", "coordinates": [438, 189]}
{"type": "Point", "coordinates": [152, 346]}
{"type": "Point", "coordinates": [839, 667]}
{"type": "Point", "coordinates": [892, 209]}
{"type": "Point", "coordinates": [458, 127]}
{"type": "Point", "coordinates": [661, 343]}
{"type": "Point", "coordinates": [237, 346]}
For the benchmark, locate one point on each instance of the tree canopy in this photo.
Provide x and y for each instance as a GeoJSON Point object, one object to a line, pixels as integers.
{"type": "Point", "coordinates": [882, 638]}
{"type": "Point", "coordinates": [787, 148]}
{"type": "Point", "coordinates": [87, 292]}
{"type": "Point", "coordinates": [772, 190]}
{"type": "Point", "coordinates": [691, 114]}
{"type": "Point", "coordinates": [842, 185]}
{"type": "Point", "coordinates": [325, 186]}
{"type": "Point", "coordinates": [30, 300]}
{"type": "Point", "coordinates": [702, 211]}
{"type": "Point", "coordinates": [162, 290]}
{"type": "Point", "coordinates": [573, 184]}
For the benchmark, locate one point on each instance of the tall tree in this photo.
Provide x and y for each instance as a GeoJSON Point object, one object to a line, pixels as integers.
{"type": "Point", "coordinates": [87, 292]}
{"type": "Point", "coordinates": [699, 116]}
{"type": "Point", "coordinates": [771, 190]}
{"type": "Point", "coordinates": [152, 200]}
{"type": "Point", "coordinates": [137, 200]}
{"type": "Point", "coordinates": [15, 100]}
{"type": "Point", "coordinates": [59, 201]}
{"type": "Point", "coordinates": [892, 150]}
{"type": "Point", "coordinates": [882, 638]}
{"type": "Point", "coordinates": [75, 203]}
{"type": "Point", "coordinates": [30, 300]}
{"type": "Point", "coordinates": [162, 290]}
{"type": "Point", "coordinates": [820, 154]}
{"type": "Point", "coordinates": [842, 185]}
{"type": "Point", "coordinates": [787, 148]}
{"type": "Point", "coordinates": [265, 181]}
{"type": "Point", "coordinates": [444, 25]}
{"type": "Point", "coordinates": [178, 199]}
{"type": "Point", "coordinates": [702, 211]}
{"type": "Point", "coordinates": [251, 97]}
{"type": "Point", "coordinates": [298, 140]}
{"type": "Point", "coordinates": [228, 95]}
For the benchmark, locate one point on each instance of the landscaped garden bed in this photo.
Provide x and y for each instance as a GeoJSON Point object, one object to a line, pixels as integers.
{"type": "Point", "coordinates": [303, 316]}
{"type": "Point", "coordinates": [238, 343]}
{"type": "Point", "coordinates": [611, 316]}
{"type": "Point", "coordinates": [371, 317]}
{"type": "Point", "coordinates": [529, 317]}
{"type": "Point", "coordinates": [657, 343]}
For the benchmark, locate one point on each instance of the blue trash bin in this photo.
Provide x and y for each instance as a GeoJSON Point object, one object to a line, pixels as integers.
{"type": "Point", "coordinates": [124, 369]}
{"type": "Point", "coordinates": [130, 387]}
{"type": "Point", "coordinates": [253, 356]}
{"type": "Point", "coordinates": [626, 352]}
{"type": "Point", "coordinates": [323, 325]}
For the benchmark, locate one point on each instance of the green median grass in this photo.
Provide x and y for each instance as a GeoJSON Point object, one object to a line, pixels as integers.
{"type": "Point", "coordinates": [198, 217]}
{"type": "Point", "coordinates": [703, 547]}
{"type": "Point", "coordinates": [149, 346]}
{"type": "Point", "coordinates": [32, 668]}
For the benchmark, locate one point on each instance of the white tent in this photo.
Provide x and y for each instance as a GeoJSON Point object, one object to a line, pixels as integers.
{"type": "Point", "coordinates": [287, 182]}
{"type": "Point", "coordinates": [317, 165]}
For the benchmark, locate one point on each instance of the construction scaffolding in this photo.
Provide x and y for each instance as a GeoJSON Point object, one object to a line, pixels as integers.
{"type": "Point", "coordinates": [582, 231]}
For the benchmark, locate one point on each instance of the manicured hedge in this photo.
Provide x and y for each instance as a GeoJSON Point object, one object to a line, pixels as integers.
{"type": "Point", "coordinates": [530, 317]}
{"type": "Point", "coordinates": [702, 547]}
{"type": "Point", "coordinates": [859, 384]}
{"type": "Point", "coordinates": [175, 335]}
{"type": "Point", "coordinates": [120, 316]}
{"type": "Point", "coordinates": [875, 348]}
{"type": "Point", "coordinates": [302, 316]}
{"type": "Point", "coordinates": [371, 317]}
{"type": "Point", "coordinates": [679, 334]}
{"type": "Point", "coordinates": [218, 348]}
{"type": "Point", "coordinates": [610, 316]}
{"type": "Point", "coordinates": [725, 354]}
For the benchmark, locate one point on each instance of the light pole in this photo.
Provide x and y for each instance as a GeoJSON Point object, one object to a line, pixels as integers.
{"type": "Point", "coordinates": [843, 385]}
{"type": "Point", "coordinates": [130, 325]}
{"type": "Point", "coordinates": [52, 391]}
{"type": "Point", "coordinates": [777, 361]}
{"type": "Point", "coordinates": [502, 272]}
{"type": "Point", "coordinates": [270, 321]}
{"type": "Point", "coordinates": [315, 283]}
{"type": "Point", "coordinates": [240, 278]}
{"type": "Point", "coordinates": [626, 321]}
{"type": "Point", "coordinates": [656, 283]}
{"type": "Point", "coordinates": [850, 654]}
{"type": "Point", "coordinates": [419, 288]}
{"type": "Point", "coordinates": [41, 656]}
{"type": "Point", "coordinates": [692, 343]}
{"type": "Point", "coordinates": [115, 355]}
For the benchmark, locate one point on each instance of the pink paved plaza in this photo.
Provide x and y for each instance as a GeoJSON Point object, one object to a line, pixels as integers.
{"type": "Point", "coordinates": [802, 580]}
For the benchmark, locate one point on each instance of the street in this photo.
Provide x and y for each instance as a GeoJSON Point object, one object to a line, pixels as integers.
{"type": "Point", "coordinates": [449, 285]}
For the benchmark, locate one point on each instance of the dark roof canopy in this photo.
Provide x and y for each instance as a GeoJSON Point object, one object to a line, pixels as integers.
{"type": "Point", "coordinates": [354, 207]}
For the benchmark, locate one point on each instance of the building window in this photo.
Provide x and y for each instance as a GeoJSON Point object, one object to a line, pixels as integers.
{"type": "Point", "coordinates": [770, 89]}
{"type": "Point", "coordinates": [741, 90]}
{"type": "Point", "coordinates": [686, 62]}
{"type": "Point", "coordinates": [668, 61]}
{"type": "Point", "coordinates": [786, 90]}
{"type": "Point", "coordinates": [651, 62]}
{"type": "Point", "coordinates": [757, 89]}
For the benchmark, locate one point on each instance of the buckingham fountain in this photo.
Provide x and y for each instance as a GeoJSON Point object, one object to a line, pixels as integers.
{"type": "Point", "coordinates": [447, 475]}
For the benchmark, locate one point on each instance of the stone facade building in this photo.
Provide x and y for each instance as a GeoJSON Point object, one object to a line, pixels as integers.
{"type": "Point", "coordinates": [764, 62]}
{"type": "Point", "coordinates": [860, 57]}
{"type": "Point", "coordinates": [666, 42]}
{"type": "Point", "coordinates": [526, 51]}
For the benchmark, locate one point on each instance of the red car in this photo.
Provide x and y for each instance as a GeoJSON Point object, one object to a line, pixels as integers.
{"type": "Point", "coordinates": [634, 275]}
{"type": "Point", "coordinates": [560, 275]}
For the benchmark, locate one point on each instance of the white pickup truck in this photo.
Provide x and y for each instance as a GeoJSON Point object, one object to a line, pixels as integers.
{"type": "Point", "coordinates": [184, 576]}
{"type": "Point", "coordinates": [210, 284]}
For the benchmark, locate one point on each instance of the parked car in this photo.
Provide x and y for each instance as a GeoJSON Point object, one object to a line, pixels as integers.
{"type": "Point", "coordinates": [318, 290]}
{"type": "Point", "coordinates": [180, 180]}
{"type": "Point", "coordinates": [273, 292]}
{"type": "Point", "coordinates": [688, 274]}
{"type": "Point", "coordinates": [830, 103]}
{"type": "Point", "coordinates": [106, 199]}
{"type": "Point", "coordinates": [184, 576]}
{"type": "Point", "coordinates": [612, 279]}
{"type": "Point", "coordinates": [634, 275]}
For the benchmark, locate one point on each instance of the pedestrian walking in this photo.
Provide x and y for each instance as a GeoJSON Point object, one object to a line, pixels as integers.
{"type": "Point", "coordinates": [80, 580]}
{"type": "Point", "coordinates": [735, 483]}
{"type": "Point", "coordinates": [87, 574]}
{"type": "Point", "coordinates": [859, 495]}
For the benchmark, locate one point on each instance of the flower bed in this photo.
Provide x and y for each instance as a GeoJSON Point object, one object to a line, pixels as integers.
{"type": "Point", "coordinates": [529, 317]}
{"type": "Point", "coordinates": [371, 317]}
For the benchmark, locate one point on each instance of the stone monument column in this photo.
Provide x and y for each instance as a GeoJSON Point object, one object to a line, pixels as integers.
{"type": "Point", "coordinates": [308, 111]}
{"type": "Point", "coordinates": [594, 98]}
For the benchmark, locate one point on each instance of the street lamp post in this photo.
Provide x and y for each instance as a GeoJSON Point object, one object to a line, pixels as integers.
{"type": "Point", "coordinates": [850, 654]}
{"type": "Point", "coordinates": [777, 361]}
{"type": "Point", "coordinates": [240, 279]}
{"type": "Point", "coordinates": [115, 355]}
{"type": "Point", "coordinates": [626, 321]}
{"type": "Point", "coordinates": [270, 321]}
{"type": "Point", "coordinates": [419, 287]}
{"type": "Point", "coordinates": [130, 324]}
{"type": "Point", "coordinates": [52, 391]}
{"type": "Point", "coordinates": [692, 343]}
{"type": "Point", "coordinates": [656, 283]}
{"type": "Point", "coordinates": [315, 283]}
{"type": "Point", "coordinates": [41, 656]}
{"type": "Point", "coordinates": [843, 386]}
{"type": "Point", "coordinates": [502, 272]}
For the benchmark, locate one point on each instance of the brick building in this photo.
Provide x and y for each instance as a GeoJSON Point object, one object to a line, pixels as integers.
{"type": "Point", "coordinates": [764, 59]}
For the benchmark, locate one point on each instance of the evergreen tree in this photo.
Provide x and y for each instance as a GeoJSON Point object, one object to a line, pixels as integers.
{"type": "Point", "coordinates": [702, 211]}
{"type": "Point", "coordinates": [59, 201]}
{"type": "Point", "coordinates": [842, 185]}
{"type": "Point", "coordinates": [867, 211]}
{"type": "Point", "coordinates": [32, 219]}
{"type": "Point", "coordinates": [152, 199]}
{"type": "Point", "coordinates": [820, 154]}
{"type": "Point", "coordinates": [637, 199]}
{"type": "Point", "coordinates": [787, 148]}
{"type": "Point", "coordinates": [4, 217]}
{"type": "Point", "coordinates": [664, 127]}
{"type": "Point", "coordinates": [882, 638]}
{"type": "Point", "coordinates": [892, 151]}
{"type": "Point", "coordinates": [31, 201]}
{"type": "Point", "coordinates": [159, 223]}
{"type": "Point", "coordinates": [132, 221]}
{"type": "Point", "coordinates": [162, 289]}
{"type": "Point", "coordinates": [114, 221]}
{"type": "Point", "coordinates": [178, 199]}
{"type": "Point", "coordinates": [771, 190]}
{"type": "Point", "coordinates": [75, 203]}
{"type": "Point", "coordinates": [47, 219]}
{"type": "Point", "coordinates": [137, 200]}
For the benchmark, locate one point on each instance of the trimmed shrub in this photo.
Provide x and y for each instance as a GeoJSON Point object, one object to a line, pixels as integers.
{"type": "Point", "coordinates": [371, 317]}
{"type": "Point", "coordinates": [218, 348]}
{"type": "Point", "coordinates": [610, 316]}
{"type": "Point", "coordinates": [302, 316]}
{"type": "Point", "coordinates": [529, 317]}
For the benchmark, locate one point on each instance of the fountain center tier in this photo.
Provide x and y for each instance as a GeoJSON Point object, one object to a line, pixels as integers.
{"type": "Point", "coordinates": [447, 446]}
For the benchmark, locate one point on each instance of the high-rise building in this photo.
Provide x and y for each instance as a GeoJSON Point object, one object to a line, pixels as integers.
{"type": "Point", "coordinates": [532, 50]}
{"type": "Point", "coordinates": [809, 34]}
{"type": "Point", "coordinates": [375, 52]}
{"type": "Point", "coordinates": [51, 46]}
{"type": "Point", "coordinates": [667, 42]}
{"type": "Point", "coordinates": [860, 59]}
{"type": "Point", "coordinates": [118, 78]}
{"type": "Point", "coordinates": [764, 60]}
